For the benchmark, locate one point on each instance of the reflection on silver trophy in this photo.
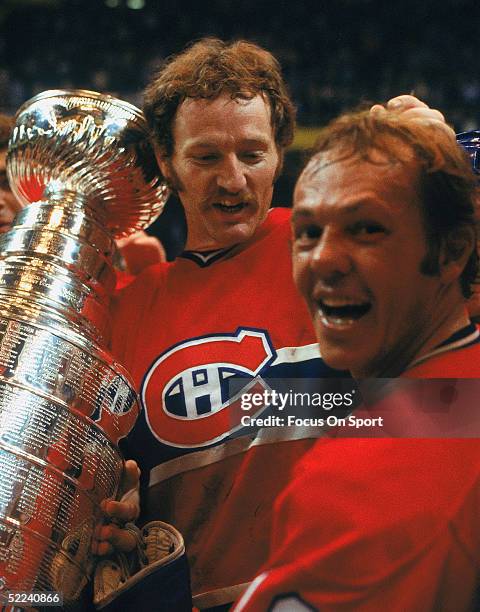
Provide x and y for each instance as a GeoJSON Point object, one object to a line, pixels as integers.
{"type": "Point", "coordinates": [83, 167]}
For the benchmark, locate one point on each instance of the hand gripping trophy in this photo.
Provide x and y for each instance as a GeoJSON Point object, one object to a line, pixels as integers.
{"type": "Point", "coordinates": [83, 167]}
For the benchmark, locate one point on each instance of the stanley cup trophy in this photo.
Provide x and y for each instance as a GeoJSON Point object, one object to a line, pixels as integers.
{"type": "Point", "coordinates": [82, 165]}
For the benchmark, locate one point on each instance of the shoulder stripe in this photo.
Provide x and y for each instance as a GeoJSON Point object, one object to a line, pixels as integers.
{"type": "Point", "coordinates": [198, 459]}
{"type": "Point", "coordinates": [295, 354]}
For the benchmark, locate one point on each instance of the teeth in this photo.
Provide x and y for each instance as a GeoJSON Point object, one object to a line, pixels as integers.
{"type": "Point", "coordinates": [341, 312]}
{"type": "Point", "coordinates": [334, 321]}
{"type": "Point", "coordinates": [230, 207]}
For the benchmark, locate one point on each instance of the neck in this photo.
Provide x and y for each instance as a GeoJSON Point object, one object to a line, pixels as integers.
{"type": "Point", "coordinates": [394, 364]}
{"type": "Point", "coordinates": [457, 321]}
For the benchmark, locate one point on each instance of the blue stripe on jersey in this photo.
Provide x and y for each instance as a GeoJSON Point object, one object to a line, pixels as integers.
{"type": "Point", "coordinates": [462, 334]}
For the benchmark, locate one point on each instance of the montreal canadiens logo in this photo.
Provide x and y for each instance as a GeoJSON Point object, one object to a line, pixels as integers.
{"type": "Point", "coordinates": [191, 393]}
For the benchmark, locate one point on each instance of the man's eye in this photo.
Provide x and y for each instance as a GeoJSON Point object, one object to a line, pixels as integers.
{"type": "Point", "coordinates": [367, 229]}
{"type": "Point", "coordinates": [307, 233]}
{"type": "Point", "coordinates": [253, 156]}
{"type": "Point", "coordinates": [208, 157]}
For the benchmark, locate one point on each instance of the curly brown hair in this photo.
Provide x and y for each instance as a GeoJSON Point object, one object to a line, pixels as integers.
{"type": "Point", "coordinates": [209, 68]}
{"type": "Point", "coordinates": [447, 185]}
{"type": "Point", "coordinates": [6, 127]}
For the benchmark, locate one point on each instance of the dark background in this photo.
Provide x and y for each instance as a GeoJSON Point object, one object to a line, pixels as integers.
{"type": "Point", "coordinates": [334, 53]}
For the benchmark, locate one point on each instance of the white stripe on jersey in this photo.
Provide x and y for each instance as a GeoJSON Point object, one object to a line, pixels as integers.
{"type": "Point", "coordinates": [219, 597]}
{"type": "Point", "coordinates": [289, 603]}
{"type": "Point", "coordinates": [249, 592]}
{"type": "Point", "coordinates": [451, 346]}
{"type": "Point", "coordinates": [295, 354]}
{"type": "Point", "coordinates": [201, 458]}
{"type": "Point", "coordinates": [265, 435]}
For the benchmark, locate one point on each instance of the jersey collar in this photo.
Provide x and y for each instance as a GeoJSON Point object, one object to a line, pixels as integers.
{"type": "Point", "coordinates": [463, 337]}
{"type": "Point", "coordinates": [206, 258]}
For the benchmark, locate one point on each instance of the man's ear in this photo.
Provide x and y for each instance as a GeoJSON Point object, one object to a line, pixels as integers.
{"type": "Point", "coordinates": [455, 252]}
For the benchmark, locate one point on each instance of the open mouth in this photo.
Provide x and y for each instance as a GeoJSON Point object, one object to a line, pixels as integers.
{"type": "Point", "coordinates": [342, 314]}
{"type": "Point", "coordinates": [230, 208]}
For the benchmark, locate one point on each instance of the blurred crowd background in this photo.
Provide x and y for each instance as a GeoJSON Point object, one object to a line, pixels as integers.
{"type": "Point", "coordinates": [334, 53]}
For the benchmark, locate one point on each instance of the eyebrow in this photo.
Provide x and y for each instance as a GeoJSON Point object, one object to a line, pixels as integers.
{"type": "Point", "coordinates": [348, 209]}
{"type": "Point", "coordinates": [309, 213]}
{"type": "Point", "coordinates": [255, 141]}
{"type": "Point", "coordinates": [301, 213]}
{"type": "Point", "coordinates": [206, 144]}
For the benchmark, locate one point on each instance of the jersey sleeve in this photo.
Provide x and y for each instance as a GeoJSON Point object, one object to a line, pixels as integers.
{"type": "Point", "coordinates": [363, 527]}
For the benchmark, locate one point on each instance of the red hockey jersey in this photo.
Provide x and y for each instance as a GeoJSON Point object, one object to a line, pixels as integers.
{"type": "Point", "coordinates": [383, 523]}
{"type": "Point", "coordinates": [185, 330]}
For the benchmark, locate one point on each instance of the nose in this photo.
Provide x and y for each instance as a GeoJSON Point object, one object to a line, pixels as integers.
{"type": "Point", "coordinates": [232, 175]}
{"type": "Point", "coordinates": [330, 259]}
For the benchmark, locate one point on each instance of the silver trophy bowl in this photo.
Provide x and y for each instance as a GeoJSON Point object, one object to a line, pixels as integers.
{"type": "Point", "coordinates": [82, 165]}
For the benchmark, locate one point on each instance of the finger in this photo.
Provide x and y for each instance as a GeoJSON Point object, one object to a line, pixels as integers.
{"type": "Point", "coordinates": [131, 476]}
{"type": "Point", "coordinates": [421, 113]}
{"type": "Point", "coordinates": [405, 101]}
{"type": "Point", "coordinates": [111, 537]}
{"type": "Point", "coordinates": [430, 117]}
{"type": "Point", "coordinates": [120, 510]}
{"type": "Point", "coordinates": [377, 109]}
{"type": "Point", "coordinates": [424, 114]}
{"type": "Point", "coordinates": [400, 103]}
{"type": "Point", "coordinates": [98, 546]}
{"type": "Point", "coordinates": [121, 539]}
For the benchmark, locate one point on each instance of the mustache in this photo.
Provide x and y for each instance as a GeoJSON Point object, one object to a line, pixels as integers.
{"type": "Point", "coordinates": [236, 198]}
